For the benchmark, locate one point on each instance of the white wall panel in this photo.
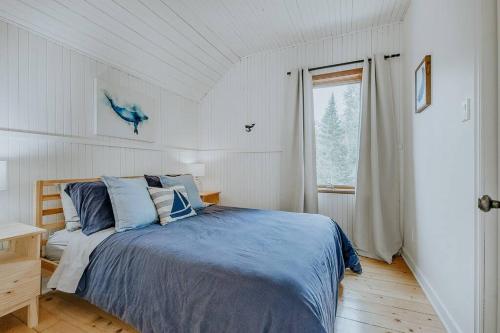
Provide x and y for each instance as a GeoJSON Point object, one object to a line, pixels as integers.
{"type": "Point", "coordinates": [246, 166]}
{"type": "Point", "coordinates": [440, 158]}
{"type": "Point", "coordinates": [245, 179]}
{"type": "Point", "coordinates": [340, 207]}
{"type": "Point", "coordinates": [46, 158]}
{"type": "Point", "coordinates": [47, 121]}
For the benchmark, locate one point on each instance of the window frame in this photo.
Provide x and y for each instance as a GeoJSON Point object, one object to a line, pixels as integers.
{"type": "Point", "coordinates": [348, 76]}
{"type": "Point", "coordinates": [337, 189]}
{"type": "Point", "coordinates": [337, 78]}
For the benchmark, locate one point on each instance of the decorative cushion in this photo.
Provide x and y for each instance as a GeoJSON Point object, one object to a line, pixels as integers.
{"type": "Point", "coordinates": [188, 182]}
{"type": "Point", "coordinates": [154, 181]}
{"type": "Point", "coordinates": [71, 219]}
{"type": "Point", "coordinates": [132, 205]}
{"type": "Point", "coordinates": [171, 203]}
{"type": "Point", "coordinates": [93, 205]}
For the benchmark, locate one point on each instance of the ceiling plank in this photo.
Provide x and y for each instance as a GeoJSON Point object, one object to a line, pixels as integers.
{"type": "Point", "coordinates": [187, 46]}
{"type": "Point", "coordinates": [118, 40]}
{"type": "Point", "coordinates": [48, 26]}
{"type": "Point", "coordinates": [165, 26]}
{"type": "Point", "coordinates": [206, 33]}
{"type": "Point", "coordinates": [107, 20]}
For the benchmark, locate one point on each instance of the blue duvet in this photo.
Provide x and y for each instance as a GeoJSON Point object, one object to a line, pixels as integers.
{"type": "Point", "coordinates": [224, 270]}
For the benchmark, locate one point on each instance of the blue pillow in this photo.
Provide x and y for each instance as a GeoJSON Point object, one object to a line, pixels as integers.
{"type": "Point", "coordinates": [132, 205]}
{"type": "Point", "coordinates": [188, 182]}
{"type": "Point", "coordinates": [93, 206]}
{"type": "Point", "coordinates": [153, 181]}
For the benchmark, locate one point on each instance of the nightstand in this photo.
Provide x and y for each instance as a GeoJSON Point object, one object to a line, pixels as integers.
{"type": "Point", "coordinates": [210, 197]}
{"type": "Point", "coordinates": [20, 270]}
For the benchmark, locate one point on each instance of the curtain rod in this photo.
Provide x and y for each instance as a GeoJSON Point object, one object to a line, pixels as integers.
{"type": "Point", "coordinates": [348, 63]}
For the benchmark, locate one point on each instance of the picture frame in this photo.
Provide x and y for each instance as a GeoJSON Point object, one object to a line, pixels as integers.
{"type": "Point", "coordinates": [125, 113]}
{"type": "Point", "coordinates": [423, 85]}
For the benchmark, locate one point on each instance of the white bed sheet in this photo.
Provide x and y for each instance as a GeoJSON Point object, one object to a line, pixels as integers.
{"type": "Point", "coordinates": [75, 259]}
{"type": "Point", "coordinates": [57, 243]}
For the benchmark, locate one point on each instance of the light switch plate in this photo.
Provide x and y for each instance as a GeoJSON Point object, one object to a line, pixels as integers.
{"type": "Point", "coordinates": [466, 110]}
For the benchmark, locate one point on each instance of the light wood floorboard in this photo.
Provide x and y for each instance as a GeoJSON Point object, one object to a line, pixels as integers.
{"type": "Point", "coordinates": [384, 299]}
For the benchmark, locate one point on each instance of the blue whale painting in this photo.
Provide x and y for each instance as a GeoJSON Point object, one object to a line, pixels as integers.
{"type": "Point", "coordinates": [130, 113]}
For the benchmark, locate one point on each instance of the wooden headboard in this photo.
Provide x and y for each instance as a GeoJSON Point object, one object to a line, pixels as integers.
{"type": "Point", "coordinates": [48, 209]}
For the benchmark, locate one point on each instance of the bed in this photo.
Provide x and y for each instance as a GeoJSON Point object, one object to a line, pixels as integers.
{"type": "Point", "coordinates": [224, 270]}
{"type": "Point", "coordinates": [57, 243]}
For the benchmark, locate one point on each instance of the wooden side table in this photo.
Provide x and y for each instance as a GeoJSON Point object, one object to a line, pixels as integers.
{"type": "Point", "coordinates": [20, 270]}
{"type": "Point", "coordinates": [212, 197]}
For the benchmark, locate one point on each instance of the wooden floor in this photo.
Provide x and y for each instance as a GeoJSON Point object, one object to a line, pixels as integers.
{"type": "Point", "coordinates": [385, 298]}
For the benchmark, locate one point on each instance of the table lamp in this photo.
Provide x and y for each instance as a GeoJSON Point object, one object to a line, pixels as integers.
{"type": "Point", "coordinates": [197, 170]}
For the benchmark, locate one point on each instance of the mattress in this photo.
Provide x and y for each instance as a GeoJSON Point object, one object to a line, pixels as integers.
{"type": "Point", "coordinates": [58, 242]}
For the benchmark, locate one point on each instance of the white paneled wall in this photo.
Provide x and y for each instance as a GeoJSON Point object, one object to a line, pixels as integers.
{"type": "Point", "coordinates": [340, 207]}
{"type": "Point", "coordinates": [254, 89]}
{"type": "Point", "coordinates": [245, 179]}
{"type": "Point", "coordinates": [246, 166]}
{"type": "Point", "coordinates": [47, 121]}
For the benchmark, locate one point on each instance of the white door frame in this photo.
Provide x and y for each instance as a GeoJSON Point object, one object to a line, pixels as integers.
{"type": "Point", "coordinates": [486, 165]}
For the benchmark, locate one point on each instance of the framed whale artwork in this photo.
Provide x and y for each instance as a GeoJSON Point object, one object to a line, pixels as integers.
{"type": "Point", "coordinates": [124, 113]}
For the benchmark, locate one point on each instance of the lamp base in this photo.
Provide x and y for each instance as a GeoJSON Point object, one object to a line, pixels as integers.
{"type": "Point", "coordinates": [197, 182]}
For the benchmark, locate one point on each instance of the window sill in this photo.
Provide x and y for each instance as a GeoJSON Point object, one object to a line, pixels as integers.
{"type": "Point", "coordinates": [337, 190]}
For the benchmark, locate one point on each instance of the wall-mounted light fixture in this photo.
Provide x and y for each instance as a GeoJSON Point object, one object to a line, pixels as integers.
{"type": "Point", "coordinates": [249, 127]}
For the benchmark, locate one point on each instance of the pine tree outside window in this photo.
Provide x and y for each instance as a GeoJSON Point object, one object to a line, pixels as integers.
{"type": "Point", "coordinates": [337, 101]}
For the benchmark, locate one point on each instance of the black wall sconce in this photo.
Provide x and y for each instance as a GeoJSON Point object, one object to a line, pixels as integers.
{"type": "Point", "coordinates": [249, 127]}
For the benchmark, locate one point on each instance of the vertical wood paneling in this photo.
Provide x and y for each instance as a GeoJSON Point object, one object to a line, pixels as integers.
{"type": "Point", "coordinates": [4, 63]}
{"type": "Point", "coordinates": [13, 73]}
{"type": "Point", "coordinates": [245, 179]}
{"type": "Point", "coordinates": [339, 207]}
{"type": "Point", "coordinates": [254, 89]}
{"type": "Point", "coordinates": [32, 159]}
{"type": "Point", "coordinates": [23, 83]}
{"type": "Point", "coordinates": [246, 166]}
{"type": "Point", "coordinates": [47, 121]}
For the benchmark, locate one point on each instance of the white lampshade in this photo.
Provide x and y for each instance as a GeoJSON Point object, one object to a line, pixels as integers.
{"type": "Point", "coordinates": [197, 169]}
{"type": "Point", "coordinates": [3, 175]}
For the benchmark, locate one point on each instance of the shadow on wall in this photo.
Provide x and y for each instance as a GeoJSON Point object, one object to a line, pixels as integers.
{"type": "Point", "coordinates": [409, 204]}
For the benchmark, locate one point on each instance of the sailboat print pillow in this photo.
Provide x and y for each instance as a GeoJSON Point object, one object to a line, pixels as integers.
{"type": "Point", "coordinates": [171, 203]}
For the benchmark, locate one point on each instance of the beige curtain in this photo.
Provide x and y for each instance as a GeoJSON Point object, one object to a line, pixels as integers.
{"type": "Point", "coordinates": [298, 160]}
{"type": "Point", "coordinates": [376, 229]}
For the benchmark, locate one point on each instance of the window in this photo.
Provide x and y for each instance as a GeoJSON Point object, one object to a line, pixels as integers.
{"type": "Point", "coordinates": [337, 117]}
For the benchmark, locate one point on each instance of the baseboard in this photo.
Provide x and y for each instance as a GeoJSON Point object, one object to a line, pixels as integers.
{"type": "Point", "coordinates": [449, 323]}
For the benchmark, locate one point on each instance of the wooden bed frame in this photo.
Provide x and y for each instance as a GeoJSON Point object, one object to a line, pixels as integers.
{"type": "Point", "coordinates": [48, 205]}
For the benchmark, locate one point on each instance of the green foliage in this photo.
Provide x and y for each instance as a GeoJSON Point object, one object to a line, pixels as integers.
{"type": "Point", "coordinates": [337, 140]}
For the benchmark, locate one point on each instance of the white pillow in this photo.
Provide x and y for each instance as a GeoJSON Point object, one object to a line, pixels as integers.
{"type": "Point", "coordinates": [71, 218]}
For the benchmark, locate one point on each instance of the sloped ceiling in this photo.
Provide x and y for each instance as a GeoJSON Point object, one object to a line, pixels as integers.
{"type": "Point", "coordinates": [186, 46]}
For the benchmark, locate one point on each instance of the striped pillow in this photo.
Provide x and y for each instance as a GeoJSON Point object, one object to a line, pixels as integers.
{"type": "Point", "coordinates": [171, 203]}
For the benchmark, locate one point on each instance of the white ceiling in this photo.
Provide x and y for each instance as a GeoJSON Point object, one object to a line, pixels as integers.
{"type": "Point", "coordinates": [187, 45]}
